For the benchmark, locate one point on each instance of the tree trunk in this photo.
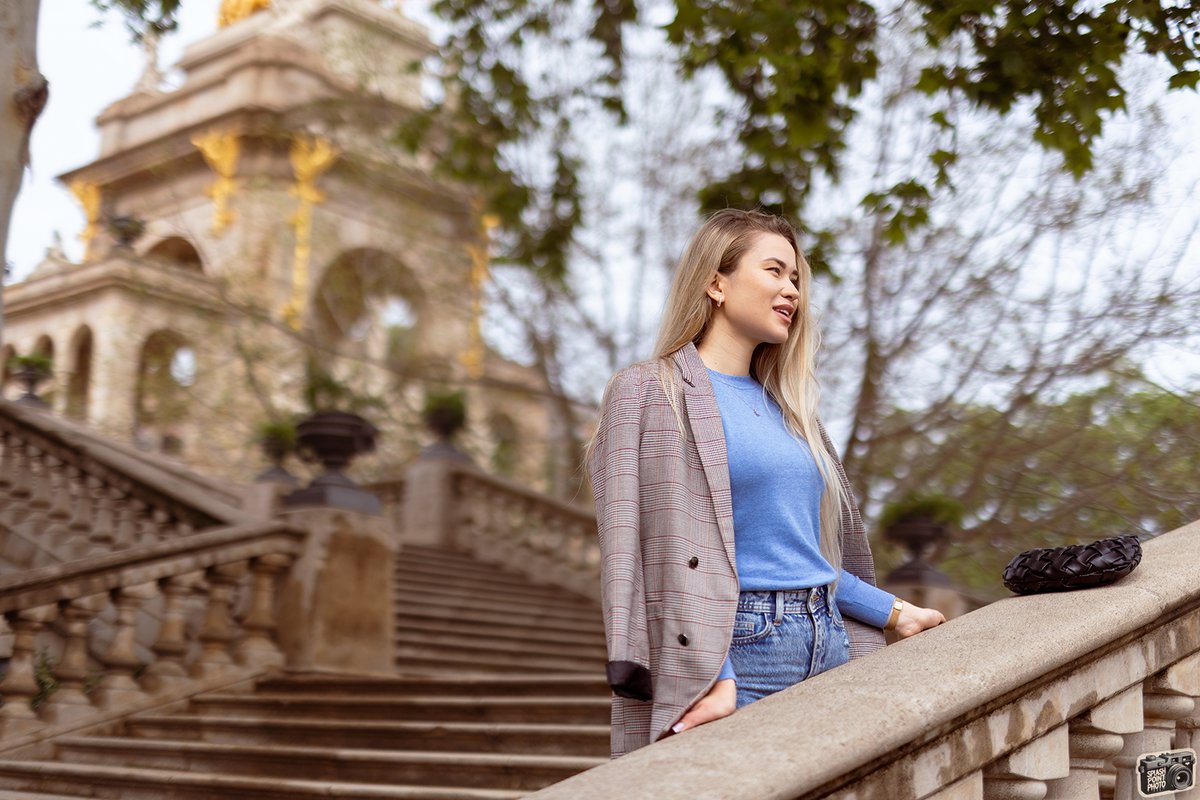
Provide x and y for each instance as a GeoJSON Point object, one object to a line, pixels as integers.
{"type": "Point", "coordinates": [23, 93]}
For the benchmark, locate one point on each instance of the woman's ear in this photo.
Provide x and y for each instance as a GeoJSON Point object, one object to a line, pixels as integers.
{"type": "Point", "coordinates": [716, 290]}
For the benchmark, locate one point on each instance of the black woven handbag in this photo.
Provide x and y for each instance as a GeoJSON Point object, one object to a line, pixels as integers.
{"type": "Point", "coordinates": [1078, 566]}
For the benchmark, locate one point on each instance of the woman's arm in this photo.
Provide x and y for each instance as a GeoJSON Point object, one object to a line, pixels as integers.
{"type": "Point", "coordinates": [613, 471]}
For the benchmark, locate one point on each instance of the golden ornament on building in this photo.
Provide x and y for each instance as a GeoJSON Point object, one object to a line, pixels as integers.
{"type": "Point", "coordinates": [220, 149]}
{"type": "Point", "coordinates": [310, 158]}
{"type": "Point", "coordinates": [234, 10]}
{"type": "Point", "coordinates": [88, 195]}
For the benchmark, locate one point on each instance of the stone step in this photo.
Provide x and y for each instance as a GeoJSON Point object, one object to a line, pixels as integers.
{"type": "Point", "coordinates": [501, 583]}
{"type": "Point", "coordinates": [423, 660]}
{"type": "Point", "coordinates": [558, 709]}
{"type": "Point", "coordinates": [510, 632]}
{"type": "Point", "coordinates": [473, 613]}
{"type": "Point", "coordinates": [457, 685]}
{"type": "Point", "coordinates": [474, 570]}
{"type": "Point", "coordinates": [492, 594]}
{"type": "Point", "coordinates": [500, 737]}
{"type": "Point", "coordinates": [418, 768]}
{"type": "Point", "coordinates": [411, 600]}
{"type": "Point", "coordinates": [481, 641]}
{"type": "Point", "coordinates": [128, 783]}
{"type": "Point", "coordinates": [488, 654]}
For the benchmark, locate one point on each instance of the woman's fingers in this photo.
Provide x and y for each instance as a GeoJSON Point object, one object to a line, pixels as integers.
{"type": "Point", "coordinates": [721, 701]}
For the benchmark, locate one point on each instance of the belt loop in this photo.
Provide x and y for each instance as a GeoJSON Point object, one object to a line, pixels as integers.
{"type": "Point", "coordinates": [778, 606]}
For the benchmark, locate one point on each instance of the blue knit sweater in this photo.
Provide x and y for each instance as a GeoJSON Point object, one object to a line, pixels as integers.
{"type": "Point", "coordinates": [776, 489]}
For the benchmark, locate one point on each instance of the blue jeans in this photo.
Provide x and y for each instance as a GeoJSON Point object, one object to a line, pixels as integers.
{"type": "Point", "coordinates": [783, 637]}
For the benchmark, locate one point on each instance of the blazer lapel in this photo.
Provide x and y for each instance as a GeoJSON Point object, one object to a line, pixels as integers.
{"type": "Point", "coordinates": [709, 435]}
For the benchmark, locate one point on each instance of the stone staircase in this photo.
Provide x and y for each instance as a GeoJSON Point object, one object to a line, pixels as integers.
{"type": "Point", "coordinates": [499, 691]}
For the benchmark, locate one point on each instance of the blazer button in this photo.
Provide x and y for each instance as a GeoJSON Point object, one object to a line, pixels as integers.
{"type": "Point", "coordinates": [683, 640]}
{"type": "Point", "coordinates": [693, 562]}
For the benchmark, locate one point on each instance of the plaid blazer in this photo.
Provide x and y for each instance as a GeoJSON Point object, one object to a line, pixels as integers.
{"type": "Point", "coordinates": [664, 515]}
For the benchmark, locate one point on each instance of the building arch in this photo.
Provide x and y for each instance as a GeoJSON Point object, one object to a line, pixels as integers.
{"type": "Point", "coordinates": [79, 382]}
{"type": "Point", "coordinates": [177, 252]}
{"type": "Point", "coordinates": [6, 371]}
{"type": "Point", "coordinates": [166, 373]}
{"type": "Point", "coordinates": [368, 303]}
{"type": "Point", "coordinates": [505, 440]}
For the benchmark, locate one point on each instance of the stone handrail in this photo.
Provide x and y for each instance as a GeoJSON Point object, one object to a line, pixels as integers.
{"type": "Point", "coordinates": [203, 573]}
{"type": "Point", "coordinates": [74, 495]}
{"type": "Point", "coordinates": [546, 539]}
{"type": "Point", "coordinates": [1049, 696]}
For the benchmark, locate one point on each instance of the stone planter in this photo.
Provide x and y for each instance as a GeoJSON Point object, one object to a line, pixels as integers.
{"type": "Point", "coordinates": [30, 377]}
{"type": "Point", "coordinates": [334, 439]}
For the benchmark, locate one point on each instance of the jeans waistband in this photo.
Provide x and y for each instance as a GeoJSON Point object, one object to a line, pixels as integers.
{"type": "Point", "coordinates": [787, 600]}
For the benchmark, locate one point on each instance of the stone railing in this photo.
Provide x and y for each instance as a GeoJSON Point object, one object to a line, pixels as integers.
{"type": "Point", "coordinates": [547, 540]}
{"type": "Point", "coordinates": [66, 496]}
{"type": "Point", "coordinates": [1049, 696]}
{"type": "Point", "coordinates": [391, 498]}
{"type": "Point", "coordinates": [202, 579]}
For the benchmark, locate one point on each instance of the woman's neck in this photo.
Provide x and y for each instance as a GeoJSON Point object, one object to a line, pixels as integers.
{"type": "Point", "coordinates": [725, 354]}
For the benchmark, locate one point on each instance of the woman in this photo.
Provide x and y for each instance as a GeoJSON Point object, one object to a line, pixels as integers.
{"type": "Point", "coordinates": [731, 546]}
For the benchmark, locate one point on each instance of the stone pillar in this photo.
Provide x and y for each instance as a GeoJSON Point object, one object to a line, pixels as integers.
{"type": "Point", "coordinates": [118, 687]}
{"type": "Point", "coordinates": [1168, 697]}
{"type": "Point", "coordinates": [336, 603]}
{"type": "Point", "coordinates": [69, 703]}
{"type": "Point", "coordinates": [1094, 737]}
{"type": "Point", "coordinates": [1022, 774]}
{"type": "Point", "coordinates": [429, 496]}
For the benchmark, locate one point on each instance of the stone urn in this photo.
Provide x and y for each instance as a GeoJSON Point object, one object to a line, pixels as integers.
{"type": "Point", "coordinates": [333, 439]}
{"type": "Point", "coordinates": [30, 372]}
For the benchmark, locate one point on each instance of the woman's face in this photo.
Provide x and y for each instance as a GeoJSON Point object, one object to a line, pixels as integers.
{"type": "Point", "coordinates": [761, 294]}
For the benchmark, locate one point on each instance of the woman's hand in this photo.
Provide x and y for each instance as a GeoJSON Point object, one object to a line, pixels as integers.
{"type": "Point", "coordinates": [721, 701]}
{"type": "Point", "coordinates": [914, 619]}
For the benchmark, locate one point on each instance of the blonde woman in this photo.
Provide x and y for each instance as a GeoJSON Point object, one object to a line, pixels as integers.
{"type": "Point", "coordinates": [734, 560]}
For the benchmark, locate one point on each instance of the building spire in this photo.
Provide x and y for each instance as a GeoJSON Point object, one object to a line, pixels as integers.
{"type": "Point", "coordinates": [151, 75]}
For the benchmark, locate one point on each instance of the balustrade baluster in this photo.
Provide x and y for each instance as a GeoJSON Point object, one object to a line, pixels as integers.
{"type": "Point", "coordinates": [69, 703]}
{"type": "Point", "coordinates": [257, 647]}
{"type": "Point", "coordinates": [968, 788]}
{"type": "Point", "coordinates": [1167, 697]}
{"type": "Point", "coordinates": [126, 515]}
{"type": "Point", "coordinates": [79, 517]}
{"type": "Point", "coordinates": [1022, 774]}
{"type": "Point", "coordinates": [5, 462]}
{"type": "Point", "coordinates": [103, 534]}
{"type": "Point", "coordinates": [143, 524]}
{"type": "Point", "coordinates": [1093, 738]}
{"type": "Point", "coordinates": [118, 686]}
{"type": "Point", "coordinates": [57, 535]}
{"type": "Point", "coordinates": [218, 630]}
{"type": "Point", "coordinates": [20, 685]}
{"type": "Point", "coordinates": [19, 489]}
{"type": "Point", "coordinates": [33, 524]}
{"type": "Point", "coordinates": [168, 671]}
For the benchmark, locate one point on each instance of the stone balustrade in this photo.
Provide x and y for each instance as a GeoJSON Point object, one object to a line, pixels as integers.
{"type": "Point", "coordinates": [1051, 696]}
{"type": "Point", "coordinates": [50, 611]}
{"type": "Point", "coordinates": [65, 496]}
{"type": "Point", "coordinates": [547, 540]}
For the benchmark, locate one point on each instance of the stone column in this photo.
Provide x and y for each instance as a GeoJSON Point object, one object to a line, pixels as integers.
{"type": "Point", "coordinates": [69, 703]}
{"type": "Point", "coordinates": [168, 671]}
{"type": "Point", "coordinates": [1168, 697]}
{"type": "Point", "coordinates": [336, 608]}
{"type": "Point", "coordinates": [19, 685]}
{"type": "Point", "coordinates": [218, 631]}
{"type": "Point", "coordinates": [1022, 774]}
{"type": "Point", "coordinates": [429, 496]}
{"type": "Point", "coordinates": [257, 647]}
{"type": "Point", "coordinates": [1094, 737]}
{"type": "Point", "coordinates": [118, 686]}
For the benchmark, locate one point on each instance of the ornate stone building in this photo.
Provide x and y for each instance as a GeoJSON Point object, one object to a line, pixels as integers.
{"type": "Point", "coordinates": [258, 213]}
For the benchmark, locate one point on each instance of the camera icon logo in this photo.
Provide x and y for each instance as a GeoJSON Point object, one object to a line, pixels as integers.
{"type": "Point", "coordinates": [1161, 773]}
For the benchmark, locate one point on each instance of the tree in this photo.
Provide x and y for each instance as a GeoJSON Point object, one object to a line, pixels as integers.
{"type": "Point", "coordinates": [793, 74]}
{"type": "Point", "coordinates": [25, 90]}
{"type": "Point", "coordinates": [1118, 458]}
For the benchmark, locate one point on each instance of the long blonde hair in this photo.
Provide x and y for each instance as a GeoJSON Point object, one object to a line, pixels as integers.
{"type": "Point", "coordinates": [786, 371]}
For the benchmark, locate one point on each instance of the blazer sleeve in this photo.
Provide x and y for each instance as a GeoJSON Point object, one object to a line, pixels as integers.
{"type": "Point", "coordinates": [613, 468]}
